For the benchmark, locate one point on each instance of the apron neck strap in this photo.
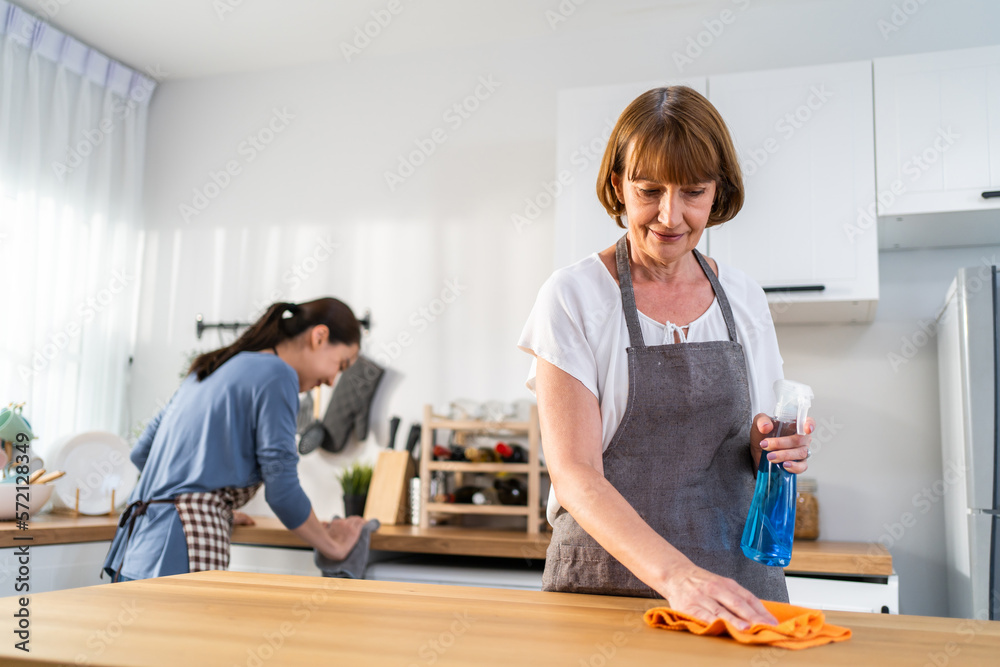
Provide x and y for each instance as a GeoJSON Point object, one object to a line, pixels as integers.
{"type": "Point", "coordinates": [628, 294]}
{"type": "Point", "coordinates": [720, 294]}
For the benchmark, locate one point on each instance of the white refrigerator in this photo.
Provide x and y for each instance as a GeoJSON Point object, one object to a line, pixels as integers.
{"type": "Point", "coordinates": [969, 375]}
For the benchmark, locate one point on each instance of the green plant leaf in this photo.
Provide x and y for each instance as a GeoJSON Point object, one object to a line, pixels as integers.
{"type": "Point", "coordinates": [355, 480]}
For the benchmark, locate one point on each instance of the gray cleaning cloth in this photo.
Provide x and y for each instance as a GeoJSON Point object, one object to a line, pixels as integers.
{"type": "Point", "coordinates": [354, 566]}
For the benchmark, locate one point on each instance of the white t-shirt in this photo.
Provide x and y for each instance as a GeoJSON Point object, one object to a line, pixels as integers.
{"type": "Point", "coordinates": [578, 325]}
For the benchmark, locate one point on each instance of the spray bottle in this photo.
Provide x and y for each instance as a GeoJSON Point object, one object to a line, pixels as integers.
{"type": "Point", "coordinates": [770, 526]}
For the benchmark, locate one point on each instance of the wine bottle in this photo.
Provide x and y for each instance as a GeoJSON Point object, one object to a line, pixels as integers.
{"type": "Point", "coordinates": [511, 453]}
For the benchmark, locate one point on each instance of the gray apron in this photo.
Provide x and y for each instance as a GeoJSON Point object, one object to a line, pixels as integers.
{"type": "Point", "coordinates": [680, 457]}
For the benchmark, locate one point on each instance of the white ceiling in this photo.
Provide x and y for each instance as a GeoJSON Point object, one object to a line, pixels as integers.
{"type": "Point", "coordinates": [192, 38]}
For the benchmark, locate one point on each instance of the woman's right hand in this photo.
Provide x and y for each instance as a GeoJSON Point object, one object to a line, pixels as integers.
{"type": "Point", "coordinates": [706, 596]}
{"type": "Point", "coordinates": [334, 539]}
{"type": "Point", "coordinates": [344, 533]}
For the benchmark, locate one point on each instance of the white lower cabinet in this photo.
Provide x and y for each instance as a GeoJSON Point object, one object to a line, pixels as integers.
{"type": "Point", "coordinates": [272, 560]}
{"type": "Point", "coordinates": [459, 571]}
{"type": "Point", "coordinates": [877, 595]}
{"type": "Point", "coordinates": [52, 567]}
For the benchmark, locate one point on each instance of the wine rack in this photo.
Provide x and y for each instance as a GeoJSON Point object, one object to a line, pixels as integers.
{"type": "Point", "coordinates": [533, 468]}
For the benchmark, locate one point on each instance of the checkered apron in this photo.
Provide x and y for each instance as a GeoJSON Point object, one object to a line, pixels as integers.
{"type": "Point", "coordinates": [207, 519]}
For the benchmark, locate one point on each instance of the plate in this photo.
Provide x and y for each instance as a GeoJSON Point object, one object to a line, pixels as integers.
{"type": "Point", "coordinates": [96, 463]}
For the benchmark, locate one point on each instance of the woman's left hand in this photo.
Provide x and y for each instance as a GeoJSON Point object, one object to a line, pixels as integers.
{"type": "Point", "coordinates": [241, 519]}
{"type": "Point", "coordinates": [791, 450]}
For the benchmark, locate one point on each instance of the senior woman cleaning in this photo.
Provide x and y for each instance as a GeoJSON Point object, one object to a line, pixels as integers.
{"type": "Point", "coordinates": [230, 427]}
{"type": "Point", "coordinates": [650, 360]}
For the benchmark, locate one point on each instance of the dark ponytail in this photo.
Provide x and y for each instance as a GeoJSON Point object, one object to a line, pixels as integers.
{"type": "Point", "coordinates": [280, 322]}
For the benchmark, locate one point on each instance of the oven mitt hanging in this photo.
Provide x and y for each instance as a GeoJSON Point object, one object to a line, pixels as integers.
{"type": "Point", "coordinates": [348, 409]}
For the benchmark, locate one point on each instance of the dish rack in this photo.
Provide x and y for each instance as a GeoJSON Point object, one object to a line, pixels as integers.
{"type": "Point", "coordinates": [533, 468]}
{"type": "Point", "coordinates": [75, 510]}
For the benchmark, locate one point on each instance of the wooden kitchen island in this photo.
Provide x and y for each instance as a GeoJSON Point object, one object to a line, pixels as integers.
{"type": "Point", "coordinates": [233, 618]}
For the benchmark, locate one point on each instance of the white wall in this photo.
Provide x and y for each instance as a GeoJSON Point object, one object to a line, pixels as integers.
{"type": "Point", "coordinates": [321, 181]}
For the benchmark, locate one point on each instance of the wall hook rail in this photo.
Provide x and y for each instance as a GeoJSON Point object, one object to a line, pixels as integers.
{"type": "Point", "coordinates": [201, 325]}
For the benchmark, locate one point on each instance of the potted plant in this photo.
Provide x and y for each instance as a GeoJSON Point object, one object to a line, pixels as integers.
{"type": "Point", "coordinates": [354, 482]}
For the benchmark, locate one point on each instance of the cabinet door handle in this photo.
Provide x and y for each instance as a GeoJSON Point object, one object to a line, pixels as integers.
{"type": "Point", "coordinates": [990, 194]}
{"type": "Point", "coordinates": [796, 288]}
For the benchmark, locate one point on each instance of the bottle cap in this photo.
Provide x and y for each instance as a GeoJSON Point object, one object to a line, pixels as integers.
{"type": "Point", "coordinates": [794, 400]}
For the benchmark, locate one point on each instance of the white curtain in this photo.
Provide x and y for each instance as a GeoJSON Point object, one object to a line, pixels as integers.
{"type": "Point", "coordinates": [72, 144]}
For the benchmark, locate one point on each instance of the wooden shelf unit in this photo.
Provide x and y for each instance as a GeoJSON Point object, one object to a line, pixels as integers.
{"type": "Point", "coordinates": [533, 468]}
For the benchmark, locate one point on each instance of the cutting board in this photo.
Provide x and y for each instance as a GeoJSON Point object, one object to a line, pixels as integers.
{"type": "Point", "coordinates": [388, 493]}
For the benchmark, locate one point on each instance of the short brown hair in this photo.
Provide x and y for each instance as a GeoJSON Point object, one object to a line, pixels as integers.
{"type": "Point", "coordinates": [675, 136]}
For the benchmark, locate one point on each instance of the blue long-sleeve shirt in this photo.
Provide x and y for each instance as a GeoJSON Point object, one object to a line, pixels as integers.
{"type": "Point", "coordinates": [234, 428]}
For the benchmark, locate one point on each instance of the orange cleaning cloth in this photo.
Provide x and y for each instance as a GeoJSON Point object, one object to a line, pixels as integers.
{"type": "Point", "coordinates": [797, 627]}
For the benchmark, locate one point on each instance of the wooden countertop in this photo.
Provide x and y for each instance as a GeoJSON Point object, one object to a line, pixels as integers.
{"type": "Point", "coordinates": [450, 540]}
{"type": "Point", "coordinates": [229, 618]}
{"type": "Point", "coordinates": [819, 557]}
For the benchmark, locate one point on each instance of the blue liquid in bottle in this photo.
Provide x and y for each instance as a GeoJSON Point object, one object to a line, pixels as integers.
{"type": "Point", "coordinates": [770, 527]}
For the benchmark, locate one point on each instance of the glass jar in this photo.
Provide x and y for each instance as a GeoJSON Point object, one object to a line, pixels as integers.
{"type": "Point", "coordinates": [806, 510]}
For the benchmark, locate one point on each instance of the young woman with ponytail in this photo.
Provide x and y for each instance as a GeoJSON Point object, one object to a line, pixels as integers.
{"type": "Point", "coordinates": [229, 428]}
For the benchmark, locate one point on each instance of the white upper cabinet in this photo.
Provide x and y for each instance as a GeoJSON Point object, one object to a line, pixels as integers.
{"type": "Point", "coordinates": [937, 133]}
{"type": "Point", "coordinates": [807, 229]}
{"type": "Point", "coordinates": [586, 117]}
